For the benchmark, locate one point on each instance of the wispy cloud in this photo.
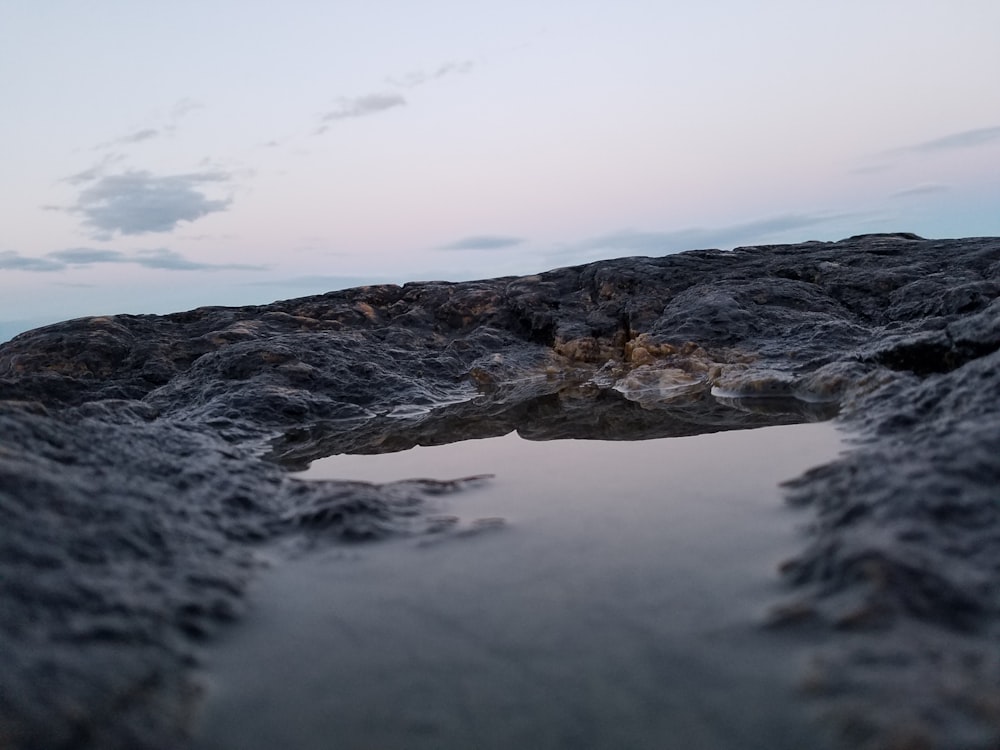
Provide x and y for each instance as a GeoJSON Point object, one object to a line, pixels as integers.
{"type": "Point", "coordinates": [924, 189]}
{"type": "Point", "coordinates": [183, 107]}
{"type": "Point", "coordinates": [483, 242]}
{"type": "Point", "coordinates": [92, 173]}
{"type": "Point", "coordinates": [420, 77]}
{"type": "Point", "coordinates": [75, 257]}
{"type": "Point", "coordinates": [84, 256]}
{"type": "Point", "coordinates": [686, 239]}
{"type": "Point", "coordinates": [869, 169]}
{"type": "Point", "coordinates": [165, 125]}
{"type": "Point", "coordinates": [347, 108]}
{"type": "Point", "coordinates": [319, 282]}
{"type": "Point", "coordinates": [138, 202]}
{"type": "Point", "coordinates": [964, 139]}
{"type": "Point", "coordinates": [12, 261]}
{"type": "Point", "coordinates": [138, 136]}
{"type": "Point", "coordinates": [361, 106]}
{"type": "Point", "coordinates": [169, 260]}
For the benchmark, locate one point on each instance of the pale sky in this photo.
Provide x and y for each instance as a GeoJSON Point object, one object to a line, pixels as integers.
{"type": "Point", "coordinates": [162, 156]}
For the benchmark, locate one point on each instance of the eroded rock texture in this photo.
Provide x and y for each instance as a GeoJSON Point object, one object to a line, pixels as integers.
{"type": "Point", "coordinates": [141, 457]}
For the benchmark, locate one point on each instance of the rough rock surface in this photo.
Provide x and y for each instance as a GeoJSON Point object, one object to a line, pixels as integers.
{"type": "Point", "coordinates": [142, 457]}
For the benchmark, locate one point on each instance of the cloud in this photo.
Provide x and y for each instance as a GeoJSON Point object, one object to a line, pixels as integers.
{"type": "Point", "coordinates": [167, 126]}
{"type": "Point", "coordinates": [925, 189]}
{"type": "Point", "coordinates": [362, 106]}
{"type": "Point", "coordinates": [94, 172]}
{"type": "Point", "coordinates": [183, 107]}
{"type": "Point", "coordinates": [138, 202]}
{"type": "Point", "coordinates": [319, 283]}
{"type": "Point", "coordinates": [965, 139]}
{"type": "Point", "coordinates": [871, 169]}
{"type": "Point", "coordinates": [658, 243]}
{"type": "Point", "coordinates": [370, 104]}
{"type": "Point", "coordinates": [483, 242]}
{"type": "Point", "coordinates": [420, 77]}
{"type": "Point", "coordinates": [137, 137]}
{"type": "Point", "coordinates": [12, 261]}
{"type": "Point", "coordinates": [84, 256]}
{"type": "Point", "coordinates": [172, 261]}
{"type": "Point", "coordinates": [161, 258]}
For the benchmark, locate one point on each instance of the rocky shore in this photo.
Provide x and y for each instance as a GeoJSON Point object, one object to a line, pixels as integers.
{"type": "Point", "coordinates": [143, 457]}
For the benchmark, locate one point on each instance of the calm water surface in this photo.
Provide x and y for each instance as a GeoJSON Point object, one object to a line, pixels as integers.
{"type": "Point", "coordinates": [616, 606]}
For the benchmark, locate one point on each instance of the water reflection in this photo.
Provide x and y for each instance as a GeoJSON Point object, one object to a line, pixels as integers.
{"type": "Point", "coordinates": [569, 412]}
{"type": "Point", "coordinates": [613, 606]}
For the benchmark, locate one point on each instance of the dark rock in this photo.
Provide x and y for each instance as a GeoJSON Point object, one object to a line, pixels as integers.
{"type": "Point", "coordinates": [141, 457]}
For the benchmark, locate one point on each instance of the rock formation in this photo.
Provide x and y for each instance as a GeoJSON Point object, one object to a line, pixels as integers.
{"type": "Point", "coordinates": [141, 457]}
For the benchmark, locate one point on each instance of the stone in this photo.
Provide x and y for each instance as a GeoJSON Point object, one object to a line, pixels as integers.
{"type": "Point", "coordinates": [142, 457]}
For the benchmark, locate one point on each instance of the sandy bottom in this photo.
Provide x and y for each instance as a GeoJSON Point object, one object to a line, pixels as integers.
{"type": "Point", "coordinates": [617, 605]}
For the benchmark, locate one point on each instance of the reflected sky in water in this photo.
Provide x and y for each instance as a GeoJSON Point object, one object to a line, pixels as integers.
{"type": "Point", "coordinates": [616, 604]}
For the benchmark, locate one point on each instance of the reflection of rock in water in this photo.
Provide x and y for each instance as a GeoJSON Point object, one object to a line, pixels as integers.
{"type": "Point", "coordinates": [362, 512]}
{"type": "Point", "coordinates": [133, 474]}
{"type": "Point", "coordinates": [585, 413]}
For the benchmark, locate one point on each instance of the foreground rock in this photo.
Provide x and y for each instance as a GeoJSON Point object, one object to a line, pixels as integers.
{"type": "Point", "coordinates": [141, 457]}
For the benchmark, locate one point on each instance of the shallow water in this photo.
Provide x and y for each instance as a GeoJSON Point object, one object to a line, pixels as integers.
{"type": "Point", "coordinates": [617, 605]}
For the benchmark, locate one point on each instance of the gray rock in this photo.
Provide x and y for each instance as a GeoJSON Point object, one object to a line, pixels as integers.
{"type": "Point", "coordinates": [142, 456]}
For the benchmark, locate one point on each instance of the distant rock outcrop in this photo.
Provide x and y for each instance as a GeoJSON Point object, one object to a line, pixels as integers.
{"type": "Point", "coordinates": [141, 456]}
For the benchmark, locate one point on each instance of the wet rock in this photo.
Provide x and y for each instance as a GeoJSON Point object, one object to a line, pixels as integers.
{"type": "Point", "coordinates": [143, 457]}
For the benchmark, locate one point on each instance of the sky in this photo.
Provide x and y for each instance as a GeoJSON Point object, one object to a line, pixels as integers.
{"type": "Point", "coordinates": [157, 157]}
